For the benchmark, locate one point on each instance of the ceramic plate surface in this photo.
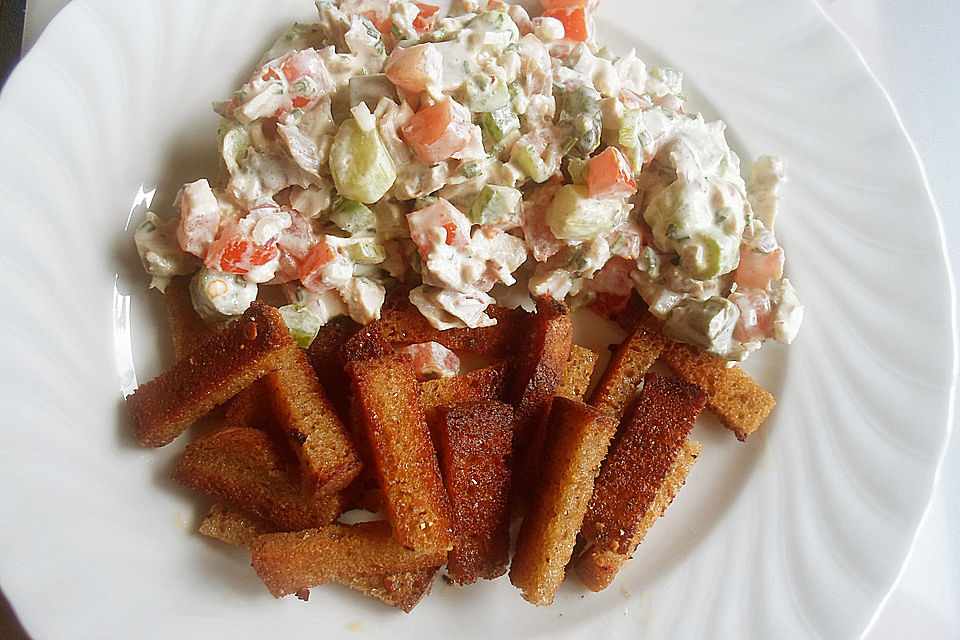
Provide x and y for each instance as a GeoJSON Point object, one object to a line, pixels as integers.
{"type": "Point", "coordinates": [799, 532]}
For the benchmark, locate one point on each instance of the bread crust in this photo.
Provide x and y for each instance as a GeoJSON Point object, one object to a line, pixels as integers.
{"type": "Point", "coordinates": [290, 562]}
{"type": "Point", "coordinates": [577, 375]}
{"type": "Point", "coordinates": [329, 461]}
{"type": "Point", "coordinates": [231, 360]}
{"type": "Point", "coordinates": [536, 376]}
{"type": "Point", "coordinates": [578, 439]}
{"type": "Point", "coordinates": [474, 442]}
{"type": "Point", "coordinates": [598, 566]}
{"type": "Point", "coordinates": [187, 329]}
{"type": "Point", "coordinates": [249, 470]}
{"type": "Point", "coordinates": [618, 385]}
{"type": "Point", "coordinates": [389, 411]}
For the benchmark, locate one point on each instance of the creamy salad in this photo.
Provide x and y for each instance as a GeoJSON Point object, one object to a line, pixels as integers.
{"type": "Point", "coordinates": [468, 157]}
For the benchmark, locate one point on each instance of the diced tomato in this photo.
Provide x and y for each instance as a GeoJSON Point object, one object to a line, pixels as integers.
{"type": "Point", "coordinates": [307, 64]}
{"type": "Point", "coordinates": [232, 252]}
{"type": "Point", "coordinates": [438, 131]}
{"type": "Point", "coordinates": [757, 269]}
{"type": "Point", "coordinates": [271, 74]}
{"type": "Point", "coordinates": [574, 21]}
{"type": "Point", "coordinates": [756, 321]}
{"type": "Point", "coordinates": [311, 269]}
{"type": "Point", "coordinates": [609, 175]}
{"type": "Point", "coordinates": [299, 102]}
{"type": "Point", "coordinates": [426, 18]}
{"type": "Point", "coordinates": [496, 5]}
{"type": "Point", "coordinates": [413, 68]}
{"type": "Point", "coordinates": [432, 360]}
{"type": "Point", "coordinates": [425, 225]}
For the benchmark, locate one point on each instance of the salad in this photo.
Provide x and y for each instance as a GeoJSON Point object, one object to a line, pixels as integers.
{"type": "Point", "coordinates": [474, 157]}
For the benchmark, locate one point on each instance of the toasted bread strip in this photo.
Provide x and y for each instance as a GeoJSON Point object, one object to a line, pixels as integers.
{"type": "Point", "coordinates": [387, 398]}
{"type": "Point", "coordinates": [534, 382]}
{"type": "Point", "coordinates": [367, 342]}
{"type": "Point", "coordinates": [404, 324]}
{"type": "Point", "coordinates": [232, 526]}
{"type": "Point", "coordinates": [579, 437]}
{"type": "Point", "coordinates": [474, 443]}
{"type": "Point", "coordinates": [324, 357]}
{"type": "Point", "coordinates": [401, 590]}
{"type": "Point", "coordinates": [640, 460]}
{"type": "Point", "coordinates": [290, 562]}
{"type": "Point", "coordinates": [187, 329]}
{"type": "Point", "coordinates": [737, 399]}
{"type": "Point", "coordinates": [249, 470]}
{"type": "Point", "coordinates": [250, 408]}
{"type": "Point", "coordinates": [329, 460]}
{"type": "Point", "coordinates": [739, 402]}
{"type": "Point", "coordinates": [597, 567]}
{"type": "Point", "coordinates": [248, 349]}
{"type": "Point", "coordinates": [619, 382]}
{"type": "Point", "coordinates": [481, 384]}
{"type": "Point", "coordinates": [576, 377]}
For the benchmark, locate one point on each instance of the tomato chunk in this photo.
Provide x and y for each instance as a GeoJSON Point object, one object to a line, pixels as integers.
{"type": "Point", "coordinates": [432, 360]}
{"type": "Point", "coordinates": [426, 18]}
{"type": "Point", "coordinates": [324, 268]}
{"type": "Point", "coordinates": [574, 21]}
{"type": "Point", "coordinates": [438, 131]}
{"type": "Point", "coordinates": [756, 320]}
{"type": "Point", "coordinates": [757, 269]}
{"type": "Point", "coordinates": [609, 175]}
{"type": "Point", "coordinates": [413, 68]}
{"type": "Point", "coordinates": [233, 252]}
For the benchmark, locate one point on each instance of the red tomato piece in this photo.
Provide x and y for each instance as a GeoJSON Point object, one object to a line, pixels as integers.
{"type": "Point", "coordinates": [311, 269]}
{"type": "Point", "coordinates": [574, 21]}
{"type": "Point", "coordinates": [609, 175]}
{"type": "Point", "coordinates": [232, 252]}
{"type": "Point", "coordinates": [426, 18]}
{"type": "Point", "coordinates": [271, 74]}
{"type": "Point", "coordinates": [413, 68]}
{"type": "Point", "coordinates": [432, 360]}
{"type": "Point", "coordinates": [438, 131]}
{"type": "Point", "coordinates": [757, 269]}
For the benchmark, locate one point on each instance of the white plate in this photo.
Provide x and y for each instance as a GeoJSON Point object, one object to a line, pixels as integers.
{"type": "Point", "coordinates": [797, 533]}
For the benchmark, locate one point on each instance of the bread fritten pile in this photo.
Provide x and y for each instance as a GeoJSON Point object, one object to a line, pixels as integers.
{"type": "Point", "coordinates": [450, 463]}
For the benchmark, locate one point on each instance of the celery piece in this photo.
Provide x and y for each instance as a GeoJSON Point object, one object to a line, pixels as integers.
{"type": "Point", "coordinates": [485, 94]}
{"type": "Point", "coordinates": [577, 168]}
{"type": "Point", "coordinates": [493, 204]}
{"type": "Point", "coordinates": [574, 215]}
{"type": "Point", "coordinates": [710, 254]}
{"type": "Point", "coordinates": [500, 122]}
{"type": "Point", "coordinates": [629, 128]}
{"type": "Point", "coordinates": [366, 252]}
{"type": "Point", "coordinates": [304, 325]}
{"type": "Point", "coordinates": [360, 164]}
{"type": "Point", "coordinates": [353, 217]}
{"type": "Point", "coordinates": [532, 164]}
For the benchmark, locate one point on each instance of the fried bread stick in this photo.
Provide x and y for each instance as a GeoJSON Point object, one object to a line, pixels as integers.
{"type": "Point", "coordinates": [403, 324]}
{"type": "Point", "coordinates": [249, 470]}
{"type": "Point", "coordinates": [290, 562]}
{"type": "Point", "coordinates": [619, 382]}
{"type": "Point", "coordinates": [328, 458]}
{"type": "Point", "coordinates": [578, 439]}
{"type": "Point", "coordinates": [246, 350]}
{"type": "Point", "coordinates": [187, 329]}
{"type": "Point", "coordinates": [474, 441]}
{"type": "Point", "coordinates": [576, 377]}
{"type": "Point", "coordinates": [534, 382]}
{"type": "Point", "coordinates": [389, 411]}
{"type": "Point", "coordinates": [598, 566]}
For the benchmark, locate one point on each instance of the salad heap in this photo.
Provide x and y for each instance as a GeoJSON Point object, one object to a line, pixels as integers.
{"type": "Point", "coordinates": [469, 156]}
